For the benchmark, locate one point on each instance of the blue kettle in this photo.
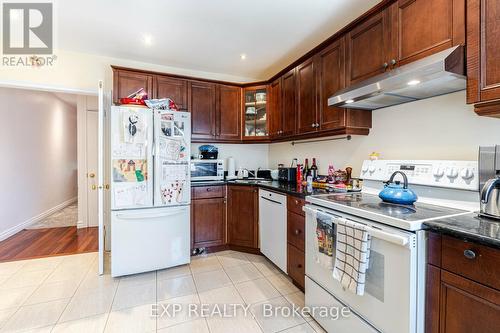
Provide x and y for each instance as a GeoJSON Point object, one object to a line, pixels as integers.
{"type": "Point", "coordinates": [393, 192]}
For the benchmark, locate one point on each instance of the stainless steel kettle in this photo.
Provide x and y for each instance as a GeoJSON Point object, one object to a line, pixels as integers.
{"type": "Point", "coordinates": [490, 198]}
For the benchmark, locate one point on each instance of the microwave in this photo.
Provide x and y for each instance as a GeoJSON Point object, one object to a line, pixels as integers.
{"type": "Point", "coordinates": [202, 170]}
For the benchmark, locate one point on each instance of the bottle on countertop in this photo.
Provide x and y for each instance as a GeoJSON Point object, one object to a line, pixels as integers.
{"type": "Point", "coordinates": [306, 169]}
{"type": "Point", "coordinates": [331, 174]}
{"type": "Point", "coordinates": [314, 170]}
{"type": "Point", "coordinates": [348, 172]}
{"type": "Point", "coordinates": [299, 174]}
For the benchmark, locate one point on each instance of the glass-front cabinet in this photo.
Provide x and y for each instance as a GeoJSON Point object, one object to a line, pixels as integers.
{"type": "Point", "coordinates": [255, 115]}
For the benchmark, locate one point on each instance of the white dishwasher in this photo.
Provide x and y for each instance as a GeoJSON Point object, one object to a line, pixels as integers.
{"type": "Point", "coordinates": [272, 227]}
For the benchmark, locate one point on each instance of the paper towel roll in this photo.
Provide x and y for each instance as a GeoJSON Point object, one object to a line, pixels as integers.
{"type": "Point", "coordinates": [231, 168]}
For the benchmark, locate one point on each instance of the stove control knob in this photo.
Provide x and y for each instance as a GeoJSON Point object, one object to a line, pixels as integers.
{"type": "Point", "coordinates": [467, 173]}
{"type": "Point", "coordinates": [364, 168]}
{"type": "Point", "coordinates": [438, 172]}
{"type": "Point", "coordinates": [372, 168]}
{"type": "Point", "coordinates": [452, 173]}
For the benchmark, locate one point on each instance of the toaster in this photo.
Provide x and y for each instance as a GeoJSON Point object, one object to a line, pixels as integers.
{"type": "Point", "coordinates": [287, 175]}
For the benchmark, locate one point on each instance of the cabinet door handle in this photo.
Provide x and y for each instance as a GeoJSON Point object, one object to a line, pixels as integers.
{"type": "Point", "coordinates": [299, 265]}
{"type": "Point", "coordinates": [393, 62]}
{"type": "Point", "coordinates": [208, 189]}
{"type": "Point", "coordinates": [469, 254]}
{"type": "Point", "coordinates": [297, 231]}
{"type": "Point", "coordinates": [312, 125]}
{"type": "Point", "coordinates": [385, 65]}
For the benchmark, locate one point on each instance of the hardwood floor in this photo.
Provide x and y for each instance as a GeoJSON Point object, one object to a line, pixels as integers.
{"type": "Point", "coordinates": [36, 243]}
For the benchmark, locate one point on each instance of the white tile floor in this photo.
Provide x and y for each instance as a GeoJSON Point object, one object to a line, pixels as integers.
{"type": "Point", "coordinates": [65, 294]}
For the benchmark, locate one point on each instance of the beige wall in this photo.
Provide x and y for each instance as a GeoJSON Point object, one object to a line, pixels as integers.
{"type": "Point", "coordinates": [38, 149]}
{"type": "Point", "coordinates": [442, 127]}
{"type": "Point", "coordinates": [79, 73]}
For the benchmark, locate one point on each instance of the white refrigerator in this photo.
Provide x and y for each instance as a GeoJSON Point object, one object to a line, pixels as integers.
{"type": "Point", "coordinates": [150, 189]}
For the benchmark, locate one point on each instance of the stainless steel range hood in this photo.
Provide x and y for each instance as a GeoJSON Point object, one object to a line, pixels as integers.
{"type": "Point", "coordinates": [438, 74]}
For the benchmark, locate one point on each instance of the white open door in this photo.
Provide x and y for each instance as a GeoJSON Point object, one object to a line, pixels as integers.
{"type": "Point", "coordinates": [100, 174]}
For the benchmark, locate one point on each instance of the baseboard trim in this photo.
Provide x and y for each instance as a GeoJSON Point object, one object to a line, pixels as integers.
{"type": "Point", "coordinates": [15, 229]}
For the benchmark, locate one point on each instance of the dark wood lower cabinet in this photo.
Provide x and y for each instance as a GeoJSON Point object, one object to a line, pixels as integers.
{"type": "Point", "coordinates": [208, 217]}
{"type": "Point", "coordinates": [467, 306]}
{"type": "Point", "coordinates": [243, 216]}
{"type": "Point", "coordinates": [454, 302]}
{"type": "Point", "coordinates": [296, 265]}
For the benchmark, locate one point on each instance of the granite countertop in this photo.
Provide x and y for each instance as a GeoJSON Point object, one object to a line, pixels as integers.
{"type": "Point", "coordinates": [288, 188]}
{"type": "Point", "coordinates": [470, 227]}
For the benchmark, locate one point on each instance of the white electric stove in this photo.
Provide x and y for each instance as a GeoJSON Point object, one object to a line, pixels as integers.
{"type": "Point", "coordinates": [394, 299]}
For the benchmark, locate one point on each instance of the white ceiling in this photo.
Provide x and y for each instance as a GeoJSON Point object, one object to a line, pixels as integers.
{"type": "Point", "coordinates": [206, 35]}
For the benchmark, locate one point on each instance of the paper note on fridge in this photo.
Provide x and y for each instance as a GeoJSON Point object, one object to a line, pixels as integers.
{"type": "Point", "coordinates": [173, 172]}
{"type": "Point", "coordinates": [133, 127]}
{"type": "Point", "coordinates": [130, 170]}
{"type": "Point", "coordinates": [126, 196]}
{"type": "Point", "coordinates": [172, 149]}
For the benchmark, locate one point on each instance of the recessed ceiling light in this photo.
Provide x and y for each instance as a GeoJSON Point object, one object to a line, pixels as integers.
{"type": "Point", "coordinates": [243, 56]}
{"type": "Point", "coordinates": [349, 101]}
{"type": "Point", "coordinates": [413, 82]}
{"type": "Point", "coordinates": [148, 40]}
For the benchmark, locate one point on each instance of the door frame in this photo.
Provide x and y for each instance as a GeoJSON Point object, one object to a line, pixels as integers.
{"type": "Point", "coordinates": [82, 108]}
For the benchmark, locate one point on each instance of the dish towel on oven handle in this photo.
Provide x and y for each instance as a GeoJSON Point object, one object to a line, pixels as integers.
{"type": "Point", "coordinates": [352, 255]}
{"type": "Point", "coordinates": [324, 241]}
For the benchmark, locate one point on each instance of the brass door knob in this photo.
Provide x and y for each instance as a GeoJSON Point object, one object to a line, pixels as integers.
{"type": "Point", "coordinates": [91, 175]}
{"type": "Point", "coordinates": [94, 187]}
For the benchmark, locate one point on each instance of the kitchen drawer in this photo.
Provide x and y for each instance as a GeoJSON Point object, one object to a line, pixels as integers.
{"type": "Point", "coordinates": [474, 261]}
{"type": "Point", "coordinates": [295, 205]}
{"type": "Point", "coordinates": [296, 230]}
{"type": "Point", "coordinates": [205, 192]}
{"type": "Point", "coordinates": [296, 265]}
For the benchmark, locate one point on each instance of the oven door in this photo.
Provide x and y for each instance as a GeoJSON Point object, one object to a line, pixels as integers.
{"type": "Point", "coordinates": [204, 170]}
{"type": "Point", "coordinates": [389, 301]}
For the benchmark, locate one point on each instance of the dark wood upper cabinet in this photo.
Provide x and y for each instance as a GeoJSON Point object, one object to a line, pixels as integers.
{"type": "Point", "coordinates": [288, 103]}
{"type": "Point", "coordinates": [428, 26]}
{"type": "Point", "coordinates": [275, 110]}
{"type": "Point", "coordinates": [306, 98]}
{"type": "Point", "coordinates": [243, 216]}
{"type": "Point", "coordinates": [201, 104]}
{"type": "Point", "coordinates": [175, 89]}
{"type": "Point", "coordinates": [370, 47]}
{"type": "Point", "coordinates": [228, 112]}
{"type": "Point", "coordinates": [330, 68]}
{"type": "Point", "coordinates": [483, 56]}
{"type": "Point", "coordinates": [128, 82]}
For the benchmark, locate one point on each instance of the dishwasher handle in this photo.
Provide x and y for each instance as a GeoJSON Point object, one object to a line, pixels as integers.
{"type": "Point", "coordinates": [271, 200]}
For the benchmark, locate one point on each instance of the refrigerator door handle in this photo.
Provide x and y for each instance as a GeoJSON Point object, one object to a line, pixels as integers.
{"type": "Point", "coordinates": [148, 216]}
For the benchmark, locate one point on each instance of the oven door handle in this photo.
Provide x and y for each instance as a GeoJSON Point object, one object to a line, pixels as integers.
{"type": "Point", "coordinates": [392, 238]}
{"type": "Point", "coordinates": [380, 234]}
